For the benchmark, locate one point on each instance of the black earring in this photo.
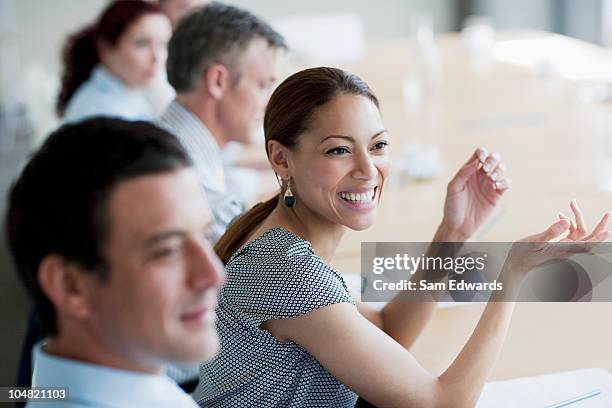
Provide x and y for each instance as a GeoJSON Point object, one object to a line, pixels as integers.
{"type": "Point", "coordinates": [289, 197]}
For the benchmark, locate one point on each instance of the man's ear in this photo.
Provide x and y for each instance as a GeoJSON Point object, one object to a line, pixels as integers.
{"type": "Point", "coordinates": [280, 159]}
{"type": "Point", "coordinates": [64, 284]}
{"type": "Point", "coordinates": [217, 80]}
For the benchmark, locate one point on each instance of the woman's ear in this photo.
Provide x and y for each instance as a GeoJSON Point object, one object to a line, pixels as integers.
{"type": "Point", "coordinates": [279, 157]}
{"type": "Point", "coordinates": [103, 48]}
{"type": "Point", "coordinates": [64, 285]}
{"type": "Point", "coordinates": [216, 80]}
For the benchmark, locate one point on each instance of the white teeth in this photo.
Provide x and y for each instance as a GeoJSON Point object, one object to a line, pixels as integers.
{"type": "Point", "coordinates": [358, 197]}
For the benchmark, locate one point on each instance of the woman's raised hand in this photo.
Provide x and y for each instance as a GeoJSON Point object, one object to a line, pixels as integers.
{"type": "Point", "coordinates": [535, 250]}
{"type": "Point", "coordinates": [578, 229]}
{"type": "Point", "coordinates": [474, 192]}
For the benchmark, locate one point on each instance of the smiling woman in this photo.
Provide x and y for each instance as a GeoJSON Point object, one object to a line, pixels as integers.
{"type": "Point", "coordinates": [291, 333]}
{"type": "Point", "coordinates": [318, 179]}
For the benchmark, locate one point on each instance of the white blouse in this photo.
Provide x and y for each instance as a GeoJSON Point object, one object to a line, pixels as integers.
{"type": "Point", "coordinates": [103, 94]}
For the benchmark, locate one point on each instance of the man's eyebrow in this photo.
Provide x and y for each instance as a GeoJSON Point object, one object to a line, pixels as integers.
{"type": "Point", "coordinates": [162, 236]}
{"type": "Point", "coordinates": [350, 138]}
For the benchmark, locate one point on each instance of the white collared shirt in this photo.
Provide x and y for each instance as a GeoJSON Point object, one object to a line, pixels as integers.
{"type": "Point", "coordinates": [103, 94]}
{"type": "Point", "coordinates": [91, 385]}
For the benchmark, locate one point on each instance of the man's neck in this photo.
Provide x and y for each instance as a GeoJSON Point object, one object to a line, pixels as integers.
{"type": "Point", "coordinates": [86, 349]}
{"type": "Point", "coordinates": [206, 111]}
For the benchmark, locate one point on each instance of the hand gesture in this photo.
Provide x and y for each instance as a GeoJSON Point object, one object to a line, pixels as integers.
{"type": "Point", "coordinates": [474, 192]}
{"type": "Point", "coordinates": [535, 250]}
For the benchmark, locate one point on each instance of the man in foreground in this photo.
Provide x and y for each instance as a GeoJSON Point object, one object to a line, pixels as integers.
{"type": "Point", "coordinates": [107, 226]}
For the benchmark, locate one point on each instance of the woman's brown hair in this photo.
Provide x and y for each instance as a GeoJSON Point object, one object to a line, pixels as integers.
{"type": "Point", "coordinates": [289, 114]}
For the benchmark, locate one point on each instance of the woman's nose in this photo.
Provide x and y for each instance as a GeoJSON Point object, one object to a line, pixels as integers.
{"type": "Point", "coordinates": [364, 167]}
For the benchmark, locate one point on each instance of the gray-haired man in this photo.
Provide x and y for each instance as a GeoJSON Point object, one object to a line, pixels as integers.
{"type": "Point", "coordinates": [222, 64]}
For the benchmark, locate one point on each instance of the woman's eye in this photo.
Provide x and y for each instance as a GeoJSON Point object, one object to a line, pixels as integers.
{"type": "Point", "coordinates": [337, 151]}
{"type": "Point", "coordinates": [381, 145]}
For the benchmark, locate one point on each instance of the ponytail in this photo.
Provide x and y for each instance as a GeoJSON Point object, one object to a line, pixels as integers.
{"type": "Point", "coordinates": [79, 57]}
{"type": "Point", "coordinates": [239, 230]}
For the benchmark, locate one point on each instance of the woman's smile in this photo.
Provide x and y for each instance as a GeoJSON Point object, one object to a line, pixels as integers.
{"type": "Point", "coordinates": [359, 199]}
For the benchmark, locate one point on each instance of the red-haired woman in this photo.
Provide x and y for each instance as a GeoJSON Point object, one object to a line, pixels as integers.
{"type": "Point", "coordinates": [107, 63]}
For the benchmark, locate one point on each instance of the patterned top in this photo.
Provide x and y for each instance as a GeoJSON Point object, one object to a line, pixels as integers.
{"type": "Point", "coordinates": [275, 276]}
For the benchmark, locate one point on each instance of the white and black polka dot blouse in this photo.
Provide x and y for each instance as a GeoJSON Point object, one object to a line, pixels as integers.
{"type": "Point", "coordinates": [274, 276]}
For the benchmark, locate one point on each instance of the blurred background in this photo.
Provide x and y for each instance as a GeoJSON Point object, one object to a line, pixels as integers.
{"type": "Point", "coordinates": [32, 33]}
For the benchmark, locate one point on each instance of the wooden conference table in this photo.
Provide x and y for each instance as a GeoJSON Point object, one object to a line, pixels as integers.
{"type": "Point", "coordinates": [558, 147]}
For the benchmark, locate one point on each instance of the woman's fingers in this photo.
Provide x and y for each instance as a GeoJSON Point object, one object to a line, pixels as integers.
{"type": "Point", "coordinates": [491, 166]}
{"type": "Point", "coordinates": [503, 185]}
{"type": "Point", "coordinates": [458, 182]}
{"type": "Point", "coordinates": [491, 162]}
{"type": "Point", "coordinates": [496, 170]}
{"type": "Point", "coordinates": [572, 225]}
{"type": "Point", "coordinates": [592, 243]}
{"type": "Point", "coordinates": [601, 226]}
{"type": "Point", "coordinates": [482, 153]}
{"type": "Point", "coordinates": [568, 246]}
{"type": "Point", "coordinates": [603, 236]}
{"type": "Point", "coordinates": [468, 169]}
{"type": "Point", "coordinates": [551, 232]}
{"type": "Point", "coordinates": [499, 172]}
{"type": "Point", "coordinates": [580, 224]}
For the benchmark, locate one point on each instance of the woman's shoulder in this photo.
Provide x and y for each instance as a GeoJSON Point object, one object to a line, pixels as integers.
{"type": "Point", "coordinates": [283, 257]}
{"type": "Point", "coordinates": [278, 274]}
{"type": "Point", "coordinates": [97, 98]}
{"type": "Point", "coordinates": [89, 101]}
{"type": "Point", "coordinates": [275, 244]}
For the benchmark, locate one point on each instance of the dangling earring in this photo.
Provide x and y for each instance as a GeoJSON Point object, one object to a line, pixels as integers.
{"type": "Point", "coordinates": [289, 197]}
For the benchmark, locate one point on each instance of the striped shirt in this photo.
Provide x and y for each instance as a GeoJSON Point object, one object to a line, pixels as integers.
{"type": "Point", "coordinates": [208, 163]}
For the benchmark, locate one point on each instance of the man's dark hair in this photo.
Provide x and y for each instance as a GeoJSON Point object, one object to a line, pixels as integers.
{"type": "Point", "coordinates": [214, 34]}
{"type": "Point", "coordinates": [58, 205]}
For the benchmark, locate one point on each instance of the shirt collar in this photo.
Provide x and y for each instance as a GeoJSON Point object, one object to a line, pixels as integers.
{"type": "Point", "coordinates": [95, 385]}
{"type": "Point", "coordinates": [106, 81]}
{"type": "Point", "coordinates": [197, 128]}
